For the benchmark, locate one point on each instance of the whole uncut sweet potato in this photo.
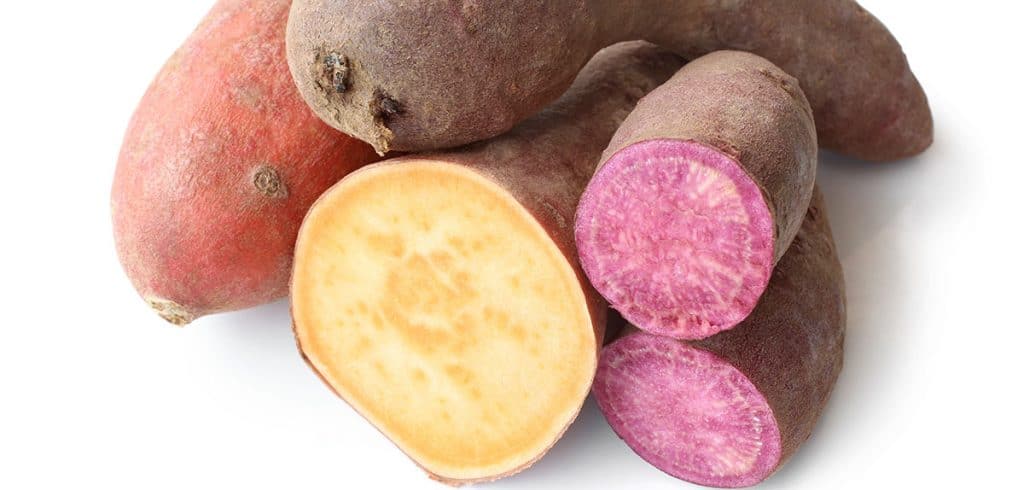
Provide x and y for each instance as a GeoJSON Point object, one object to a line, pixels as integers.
{"type": "Point", "coordinates": [219, 165]}
{"type": "Point", "coordinates": [414, 75]}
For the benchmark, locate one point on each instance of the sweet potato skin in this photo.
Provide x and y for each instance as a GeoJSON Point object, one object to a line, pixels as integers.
{"type": "Point", "coordinates": [405, 88]}
{"type": "Point", "coordinates": [867, 102]}
{"type": "Point", "coordinates": [219, 164]}
{"type": "Point", "coordinates": [454, 103]}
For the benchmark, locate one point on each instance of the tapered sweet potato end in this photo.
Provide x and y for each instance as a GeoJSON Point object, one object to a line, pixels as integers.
{"type": "Point", "coordinates": [174, 313]}
{"type": "Point", "coordinates": [900, 126]}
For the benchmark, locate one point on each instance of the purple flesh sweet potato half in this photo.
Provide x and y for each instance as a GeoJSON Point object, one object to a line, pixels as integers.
{"type": "Point", "coordinates": [729, 410]}
{"type": "Point", "coordinates": [698, 195]}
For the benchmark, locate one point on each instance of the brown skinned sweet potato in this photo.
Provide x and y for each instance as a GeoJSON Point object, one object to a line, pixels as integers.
{"type": "Point", "coordinates": [415, 75]}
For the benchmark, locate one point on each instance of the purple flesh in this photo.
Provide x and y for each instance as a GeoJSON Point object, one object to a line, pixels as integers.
{"type": "Point", "coordinates": [677, 237]}
{"type": "Point", "coordinates": [688, 412]}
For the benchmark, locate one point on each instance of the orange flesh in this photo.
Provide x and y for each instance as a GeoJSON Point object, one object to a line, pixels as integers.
{"type": "Point", "coordinates": [441, 310]}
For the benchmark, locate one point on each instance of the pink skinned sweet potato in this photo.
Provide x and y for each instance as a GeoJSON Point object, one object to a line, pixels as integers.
{"type": "Point", "coordinates": [219, 165]}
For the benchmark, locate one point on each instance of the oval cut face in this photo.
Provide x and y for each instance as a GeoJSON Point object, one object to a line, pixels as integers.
{"type": "Point", "coordinates": [677, 236]}
{"type": "Point", "coordinates": [439, 308]}
{"type": "Point", "coordinates": [687, 412]}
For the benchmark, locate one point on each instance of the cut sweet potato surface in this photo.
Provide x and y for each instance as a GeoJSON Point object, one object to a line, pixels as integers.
{"type": "Point", "coordinates": [688, 412]}
{"type": "Point", "coordinates": [699, 194]}
{"type": "Point", "coordinates": [677, 237]}
{"type": "Point", "coordinates": [440, 309]}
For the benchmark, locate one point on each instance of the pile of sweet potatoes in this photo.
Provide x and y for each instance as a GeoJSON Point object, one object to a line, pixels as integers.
{"type": "Point", "coordinates": [657, 158]}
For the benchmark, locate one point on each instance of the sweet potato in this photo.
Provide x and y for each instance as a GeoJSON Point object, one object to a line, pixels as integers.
{"type": "Point", "coordinates": [440, 294]}
{"type": "Point", "coordinates": [220, 163]}
{"type": "Point", "coordinates": [699, 194]}
{"type": "Point", "coordinates": [414, 75]}
{"type": "Point", "coordinates": [729, 410]}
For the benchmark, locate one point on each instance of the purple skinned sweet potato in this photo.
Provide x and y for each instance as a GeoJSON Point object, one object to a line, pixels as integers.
{"type": "Point", "coordinates": [729, 410]}
{"type": "Point", "coordinates": [417, 75]}
{"type": "Point", "coordinates": [699, 194]}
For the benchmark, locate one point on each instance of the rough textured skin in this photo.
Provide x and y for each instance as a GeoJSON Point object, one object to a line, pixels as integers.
{"type": "Point", "coordinates": [790, 350]}
{"type": "Point", "coordinates": [407, 75]}
{"type": "Point", "coordinates": [545, 163]}
{"type": "Point", "coordinates": [732, 129]}
{"type": "Point", "coordinates": [219, 165]}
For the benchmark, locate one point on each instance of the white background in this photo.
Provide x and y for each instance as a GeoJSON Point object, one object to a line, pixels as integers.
{"type": "Point", "coordinates": [96, 391]}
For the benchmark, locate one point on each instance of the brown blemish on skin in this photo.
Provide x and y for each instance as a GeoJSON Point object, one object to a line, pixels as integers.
{"type": "Point", "coordinates": [385, 107]}
{"type": "Point", "coordinates": [269, 183]}
{"type": "Point", "coordinates": [334, 73]}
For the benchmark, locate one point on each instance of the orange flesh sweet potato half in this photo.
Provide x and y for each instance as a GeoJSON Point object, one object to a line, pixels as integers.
{"type": "Point", "coordinates": [440, 294]}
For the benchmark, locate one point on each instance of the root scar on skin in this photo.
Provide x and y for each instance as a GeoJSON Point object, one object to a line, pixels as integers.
{"type": "Point", "coordinates": [269, 182]}
{"type": "Point", "coordinates": [170, 311]}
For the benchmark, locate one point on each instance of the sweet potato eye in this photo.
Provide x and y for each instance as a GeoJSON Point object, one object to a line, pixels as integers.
{"type": "Point", "coordinates": [268, 182]}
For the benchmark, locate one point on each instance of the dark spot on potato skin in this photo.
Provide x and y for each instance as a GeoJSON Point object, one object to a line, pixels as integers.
{"type": "Point", "coordinates": [335, 73]}
{"type": "Point", "coordinates": [385, 107]}
{"type": "Point", "coordinates": [269, 183]}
